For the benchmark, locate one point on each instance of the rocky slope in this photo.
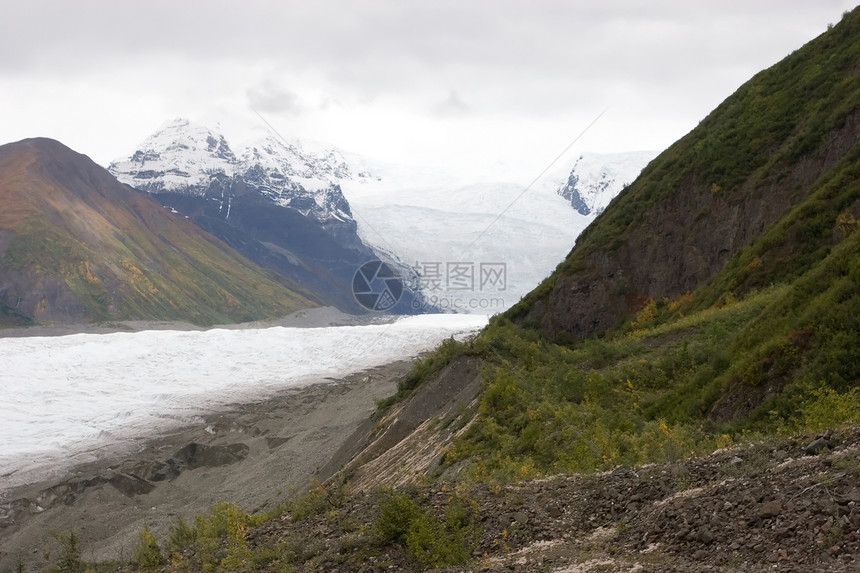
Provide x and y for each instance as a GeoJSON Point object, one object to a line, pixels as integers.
{"type": "Point", "coordinates": [78, 246]}
{"type": "Point", "coordinates": [787, 505]}
{"type": "Point", "coordinates": [277, 204]}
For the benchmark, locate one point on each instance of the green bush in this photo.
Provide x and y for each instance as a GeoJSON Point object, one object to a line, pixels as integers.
{"type": "Point", "coordinates": [316, 500]}
{"type": "Point", "coordinates": [180, 535]}
{"type": "Point", "coordinates": [396, 514]}
{"type": "Point", "coordinates": [70, 553]}
{"type": "Point", "coordinates": [222, 520]}
{"type": "Point", "coordinates": [826, 408]}
{"type": "Point", "coordinates": [147, 554]}
{"type": "Point", "coordinates": [430, 540]}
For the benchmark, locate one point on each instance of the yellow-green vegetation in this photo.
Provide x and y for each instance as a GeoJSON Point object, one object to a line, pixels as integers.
{"type": "Point", "coordinates": [429, 539]}
{"type": "Point", "coordinates": [682, 385]}
{"type": "Point", "coordinates": [216, 542]}
{"type": "Point", "coordinates": [426, 535]}
{"type": "Point", "coordinates": [147, 554]}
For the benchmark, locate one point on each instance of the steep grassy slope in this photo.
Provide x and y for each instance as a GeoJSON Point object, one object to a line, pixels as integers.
{"type": "Point", "coordinates": [76, 245]}
{"type": "Point", "coordinates": [718, 297]}
{"type": "Point", "coordinates": [783, 135]}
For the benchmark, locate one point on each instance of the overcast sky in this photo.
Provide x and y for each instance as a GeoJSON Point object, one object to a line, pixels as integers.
{"type": "Point", "coordinates": [486, 86]}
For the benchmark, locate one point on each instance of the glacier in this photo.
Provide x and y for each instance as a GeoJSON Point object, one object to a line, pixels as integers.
{"type": "Point", "coordinates": [426, 218]}
{"type": "Point", "coordinates": [423, 220]}
{"type": "Point", "coordinates": [78, 398]}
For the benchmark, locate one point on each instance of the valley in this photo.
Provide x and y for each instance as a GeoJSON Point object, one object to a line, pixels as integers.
{"type": "Point", "coordinates": [671, 381]}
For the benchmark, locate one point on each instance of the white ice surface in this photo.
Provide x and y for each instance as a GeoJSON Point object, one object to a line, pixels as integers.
{"type": "Point", "coordinates": [427, 217]}
{"type": "Point", "coordinates": [73, 399]}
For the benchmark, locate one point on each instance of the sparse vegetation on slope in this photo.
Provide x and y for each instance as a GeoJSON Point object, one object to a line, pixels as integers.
{"type": "Point", "coordinates": [766, 343]}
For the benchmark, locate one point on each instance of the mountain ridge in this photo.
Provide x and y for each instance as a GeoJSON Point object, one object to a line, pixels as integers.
{"type": "Point", "coordinates": [80, 246]}
{"type": "Point", "coordinates": [278, 205]}
{"type": "Point", "coordinates": [181, 156]}
{"type": "Point", "coordinates": [616, 265]}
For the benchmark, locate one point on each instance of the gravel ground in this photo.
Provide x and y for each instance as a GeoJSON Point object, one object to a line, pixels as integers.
{"type": "Point", "coordinates": [791, 505]}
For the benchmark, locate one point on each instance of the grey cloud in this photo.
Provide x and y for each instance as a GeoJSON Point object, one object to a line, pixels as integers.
{"type": "Point", "coordinates": [271, 98]}
{"type": "Point", "coordinates": [404, 37]}
{"type": "Point", "coordinates": [541, 58]}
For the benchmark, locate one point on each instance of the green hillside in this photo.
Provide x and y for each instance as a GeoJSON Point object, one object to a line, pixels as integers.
{"type": "Point", "coordinates": [716, 299]}
{"type": "Point", "coordinates": [78, 246]}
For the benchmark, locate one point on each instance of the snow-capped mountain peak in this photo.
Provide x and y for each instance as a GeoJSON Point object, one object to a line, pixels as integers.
{"type": "Point", "coordinates": [186, 158]}
{"type": "Point", "coordinates": [276, 203]}
{"type": "Point", "coordinates": [596, 178]}
{"type": "Point", "coordinates": [179, 155]}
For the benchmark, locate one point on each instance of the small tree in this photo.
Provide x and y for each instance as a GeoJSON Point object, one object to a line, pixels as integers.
{"type": "Point", "coordinates": [147, 554]}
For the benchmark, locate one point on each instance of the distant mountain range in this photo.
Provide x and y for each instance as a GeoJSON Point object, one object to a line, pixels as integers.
{"type": "Point", "coordinates": [274, 202]}
{"type": "Point", "coordinates": [286, 209]}
{"type": "Point", "coordinates": [78, 246]}
{"type": "Point", "coordinates": [596, 178]}
{"type": "Point", "coordinates": [183, 157]}
{"type": "Point", "coordinates": [438, 222]}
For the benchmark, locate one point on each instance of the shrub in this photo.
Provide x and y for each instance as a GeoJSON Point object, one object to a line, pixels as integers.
{"type": "Point", "coordinates": [223, 519]}
{"type": "Point", "coordinates": [396, 514]}
{"type": "Point", "coordinates": [428, 539]}
{"type": "Point", "coordinates": [70, 553]}
{"type": "Point", "coordinates": [180, 535]}
{"type": "Point", "coordinates": [147, 554]}
{"type": "Point", "coordinates": [826, 408]}
{"type": "Point", "coordinates": [317, 500]}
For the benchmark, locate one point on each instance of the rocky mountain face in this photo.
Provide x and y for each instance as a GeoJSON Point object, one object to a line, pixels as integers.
{"type": "Point", "coordinates": [756, 159]}
{"type": "Point", "coordinates": [277, 204]}
{"type": "Point", "coordinates": [77, 246]}
{"type": "Point", "coordinates": [596, 178]}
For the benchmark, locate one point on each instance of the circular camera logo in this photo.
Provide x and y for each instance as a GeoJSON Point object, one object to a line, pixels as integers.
{"type": "Point", "coordinates": [377, 286]}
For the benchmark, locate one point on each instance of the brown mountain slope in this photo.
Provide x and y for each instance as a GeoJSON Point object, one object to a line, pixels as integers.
{"type": "Point", "coordinates": [76, 245]}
